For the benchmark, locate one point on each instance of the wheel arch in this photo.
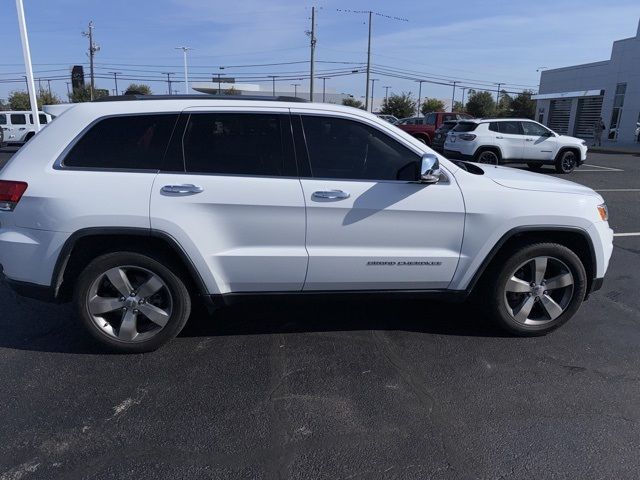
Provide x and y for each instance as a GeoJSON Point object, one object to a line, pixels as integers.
{"type": "Point", "coordinates": [495, 148]}
{"type": "Point", "coordinates": [424, 136]}
{"type": "Point", "coordinates": [86, 244]}
{"type": "Point", "coordinates": [574, 238]}
{"type": "Point", "coordinates": [561, 151]}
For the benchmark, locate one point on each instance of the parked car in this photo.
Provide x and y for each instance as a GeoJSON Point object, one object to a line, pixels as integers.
{"type": "Point", "coordinates": [136, 210]}
{"type": "Point", "coordinates": [389, 118]}
{"type": "Point", "coordinates": [513, 140]}
{"type": "Point", "coordinates": [424, 128]}
{"type": "Point", "coordinates": [18, 127]}
{"type": "Point", "coordinates": [441, 135]}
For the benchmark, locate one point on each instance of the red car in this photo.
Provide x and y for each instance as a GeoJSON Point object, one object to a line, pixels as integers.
{"type": "Point", "coordinates": [424, 128]}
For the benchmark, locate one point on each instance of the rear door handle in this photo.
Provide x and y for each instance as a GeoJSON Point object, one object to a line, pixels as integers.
{"type": "Point", "coordinates": [332, 194]}
{"type": "Point", "coordinates": [499, 138]}
{"type": "Point", "coordinates": [184, 189]}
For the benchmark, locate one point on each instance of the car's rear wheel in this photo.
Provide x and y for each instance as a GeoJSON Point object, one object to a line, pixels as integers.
{"type": "Point", "coordinates": [488, 156]}
{"type": "Point", "coordinates": [536, 167]}
{"type": "Point", "coordinates": [537, 289]}
{"type": "Point", "coordinates": [567, 162]}
{"type": "Point", "coordinates": [130, 302]}
{"type": "Point", "coordinates": [421, 139]}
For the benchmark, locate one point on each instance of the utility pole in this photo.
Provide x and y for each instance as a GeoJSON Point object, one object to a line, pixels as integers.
{"type": "Point", "coordinates": [68, 91]}
{"type": "Point", "coordinates": [115, 79]}
{"type": "Point", "coordinates": [366, 96]}
{"type": "Point", "coordinates": [386, 93]}
{"type": "Point", "coordinates": [295, 89]}
{"type": "Point", "coordinates": [49, 86]}
{"type": "Point", "coordinates": [373, 82]}
{"type": "Point", "coordinates": [273, 78]}
{"type": "Point", "coordinates": [313, 51]}
{"type": "Point", "coordinates": [186, 73]}
{"type": "Point", "coordinates": [419, 96]}
{"type": "Point", "coordinates": [219, 82]}
{"type": "Point", "coordinates": [93, 48]}
{"type": "Point", "coordinates": [464, 89]}
{"type": "Point", "coordinates": [168, 74]}
{"type": "Point", "coordinates": [324, 87]}
{"type": "Point", "coordinates": [498, 95]}
{"type": "Point", "coordinates": [453, 97]}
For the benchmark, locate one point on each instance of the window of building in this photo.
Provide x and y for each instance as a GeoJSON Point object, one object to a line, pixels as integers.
{"type": "Point", "coordinates": [126, 142]}
{"type": "Point", "coordinates": [18, 119]}
{"type": "Point", "coordinates": [238, 144]}
{"type": "Point", "coordinates": [616, 113]}
{"type": "Point", "coordinates": [341, 148]}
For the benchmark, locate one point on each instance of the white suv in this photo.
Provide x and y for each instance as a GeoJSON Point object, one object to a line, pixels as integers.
{"type": "Point", "coordinates": [136, 209]}
{"type": "Point", "coordinates": [514, 140]}
{"type": "Point", "coordinates": [17, 127]}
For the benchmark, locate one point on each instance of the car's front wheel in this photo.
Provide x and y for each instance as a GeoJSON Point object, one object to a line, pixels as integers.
{"type": "Point", "coordinates": [131, 302]}
{"type": "Point", "coordinates": [537, 289]}
{"type": "Point", "coordinates": [567, 162]}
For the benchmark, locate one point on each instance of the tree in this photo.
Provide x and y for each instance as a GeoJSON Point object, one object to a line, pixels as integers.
{"type": "Point", "coordinates": [138, 89]}
{"type": "Point", "coordinates": [231, 91]}
{"type": "Point", "coordinates": [523, 106]}
{"type": "Point", "coordinates": [480, 104]}
{"type": "Point", "coordinates": [352, 102]}
{"type": "Point", "coordinates": [458, 107]}
{"type": "Point", "coordinates": [504, 108]}
{"type": "Point", "coordinates": [83, 94]}
{"type": "Point", "coordinates": [431, 105]}
{"type": "Point", "coordinates": [19, 99]}
{"type": "Point", "coordinates": [400, 106]}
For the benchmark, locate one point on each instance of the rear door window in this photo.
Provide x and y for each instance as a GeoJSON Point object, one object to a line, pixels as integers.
{"type": "Point", "coordinates": [132, 142]}
{"type": "Point", "coordinates": [511, 128]}
{"type": "Point", "coordinates": [239, 144]}
{"type": "Point", "coordinates": [3, 119]}
{"type": "Point", "coordinates": [18, 119]}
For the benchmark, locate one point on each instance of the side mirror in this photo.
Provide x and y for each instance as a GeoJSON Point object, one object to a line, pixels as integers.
{"type": "Point", "coordinates": [429, 169]}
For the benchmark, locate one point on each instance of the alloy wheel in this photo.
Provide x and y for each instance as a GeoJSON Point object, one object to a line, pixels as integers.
{"type": "Point", "coordinates": [539, 291]}
{"type": "Point", "coordinates": [488, 157]}
{"type": "Point", "coordinates": [568, 161]}
{"type": "Point", "coordinates": [129, 303]}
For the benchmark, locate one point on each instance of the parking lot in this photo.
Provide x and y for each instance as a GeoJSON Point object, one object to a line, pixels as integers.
{"type": "Point", "coordinates": [383, 389]}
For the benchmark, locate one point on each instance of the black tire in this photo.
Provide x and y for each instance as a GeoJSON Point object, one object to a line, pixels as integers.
{"type": "Point", "coordinates": [535, 167]}
{"type": "Point", "coordinates": [29, 137]}
{"type": "Point", "coordinates": [137, 265]}
{"type": "Point", "coordinates": [567, 162]}
{"type": "Point", "coordinates": [488, 156]}
{"type": "Point", "coordinates": [420, 139]}
{"type": "Point", "coordinates": [503, 303]}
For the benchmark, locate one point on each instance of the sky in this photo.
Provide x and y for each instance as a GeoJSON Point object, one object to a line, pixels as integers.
{"type": "Point", "coordinates": [476, 43]}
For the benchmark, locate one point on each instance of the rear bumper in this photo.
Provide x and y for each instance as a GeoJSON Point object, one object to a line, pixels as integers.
{"type": "Point", "coordinates": [29, 290]}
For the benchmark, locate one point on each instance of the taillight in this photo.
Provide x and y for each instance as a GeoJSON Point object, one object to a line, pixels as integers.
{"type": "Point", "coordinates": [467, 136]}
{"type": "Point", "coordinates": [10, 194]}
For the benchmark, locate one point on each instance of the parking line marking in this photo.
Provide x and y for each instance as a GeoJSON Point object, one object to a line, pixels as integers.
{"type": "Point", "coordinates": [604, 168]}
{"type": "Point", "coordinates": [630, 234]}
{"type": "Point", "coordinates": [619, 190]}
{"type": "Point", "coordinates": [579, 170]}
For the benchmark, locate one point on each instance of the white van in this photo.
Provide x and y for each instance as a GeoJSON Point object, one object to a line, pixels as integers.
{"type": "Point", "coordinates": [17, 126]}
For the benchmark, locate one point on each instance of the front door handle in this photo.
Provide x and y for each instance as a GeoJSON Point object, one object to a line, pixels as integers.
{"type": "Point", "coordinates": [332, 195]}
{"type": "Point", "coordinates": [184, 189]}
{"type": "Point", "coordinates": [528, 139]}
{"type": "Point", "coordinates": [499, 138]}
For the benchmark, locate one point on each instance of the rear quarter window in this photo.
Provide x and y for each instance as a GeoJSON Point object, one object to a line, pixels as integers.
{"type": "Point", "coordinates": [133, 142]}
{"type": "Point", "coordinates": [3, 119]}
{"type": "Point", "coordinates": [18, 119]}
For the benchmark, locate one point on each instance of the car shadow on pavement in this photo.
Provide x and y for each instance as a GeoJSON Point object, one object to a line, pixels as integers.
{"type": "Point", "coordinates": [35, 326]}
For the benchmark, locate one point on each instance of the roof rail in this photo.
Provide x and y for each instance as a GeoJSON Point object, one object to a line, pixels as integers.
{"type": "Point", "coordinates": [121, 98]}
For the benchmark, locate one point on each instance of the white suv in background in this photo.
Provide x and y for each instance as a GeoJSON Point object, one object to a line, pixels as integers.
{"type": "Point", "coordinates": [136, 209]}
{"type": "Point", "coordinates": [17, 127]}
{"type": "Point", "coordinates": [514, 140]}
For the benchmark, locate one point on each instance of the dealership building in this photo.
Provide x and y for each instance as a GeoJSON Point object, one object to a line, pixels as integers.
{"type": "Point", "coordinates": [570, 100]}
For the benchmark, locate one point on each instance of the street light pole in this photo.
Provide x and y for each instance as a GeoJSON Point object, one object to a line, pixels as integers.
{"type": "Point", "coordinates": [313, 52]}
{"type": "Point", "coordinates": [324, 87]}
{"type": "Point", "coordinates": [366, 96]}
{"type": "Point", "coordinates": [26, 53]}
{"type": "Point", "coordinates": [273, 79]}
{"type": "Point", "coordinates": [373, 83]}
{"type": "Point", "coordinates": [453, 97]}
{"type": "Point", "coordinates": [419, 96]}
{"type": "Point", "coordinates": [498, 95]}
{"type": "Point", "coordinates": [186, 73]}
{"type": "Point", "coordinates": [295, 89]}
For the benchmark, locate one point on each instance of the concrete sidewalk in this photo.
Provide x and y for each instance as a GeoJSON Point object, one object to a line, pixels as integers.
{"type": "Point", "coordinates": [616, 147]}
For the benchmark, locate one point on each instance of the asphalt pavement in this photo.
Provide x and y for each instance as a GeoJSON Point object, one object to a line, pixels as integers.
{"type": "Point", "coordinates": [378, 389]}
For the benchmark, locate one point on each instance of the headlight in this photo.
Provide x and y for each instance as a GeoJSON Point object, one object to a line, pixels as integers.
{"type": "Point", "coordinates": [603, 211]}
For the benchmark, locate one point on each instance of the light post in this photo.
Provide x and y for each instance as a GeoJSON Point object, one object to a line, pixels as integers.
{"type": "Point", "coordinates": [386, 93]}
{"type": "Point", "coordinates": [419, 96]}
{"type": "Point", "coordinates": [168, 74]}
{"type": "Point", "coordinates": [498, 95]}
{"type": "Point", "coordinates": [273, 79]}
{"type": "Point", "coordinates": [115, 79]}
{"type": "Point", "coordinates": [373, 83]}
{"type": "Point", "coordinates": [186, 74]}
{"type": "Point", "coordinates": [295, 89]}
{"type": "Point", "coordinates": [26, 53]}
{"type": "Point", "coordinates": [324, 87]}
{"type": "Point", "coordinates": [453, 97]}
